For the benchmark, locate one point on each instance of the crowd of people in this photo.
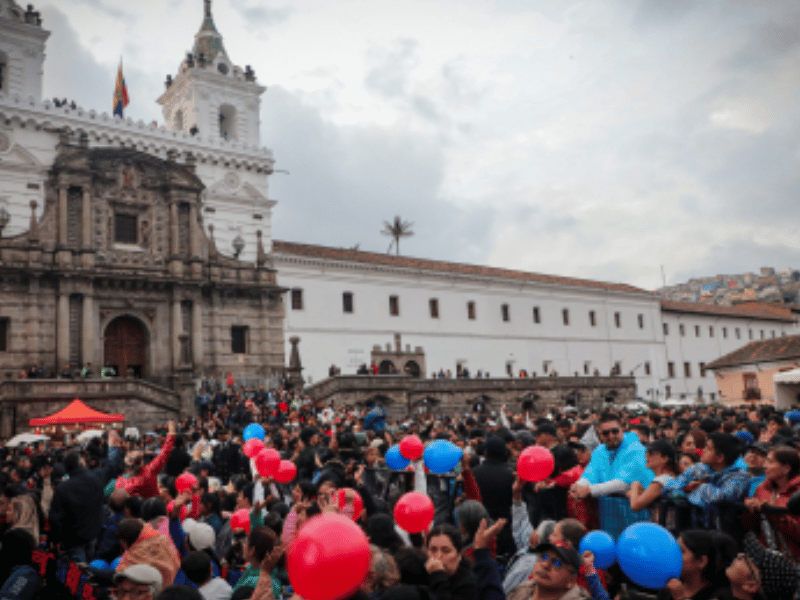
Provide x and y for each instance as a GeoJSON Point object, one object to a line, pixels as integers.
{"type": "Point", "coordinates": [724, 481]}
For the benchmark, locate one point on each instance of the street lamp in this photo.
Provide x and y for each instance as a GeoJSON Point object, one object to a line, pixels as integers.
{"type": "Point", "coordinates": [5, 217]}
{"type": "Point", "coordinates": [238, 246]}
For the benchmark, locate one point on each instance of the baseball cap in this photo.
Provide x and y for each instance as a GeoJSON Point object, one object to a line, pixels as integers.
{"type": "Point", "coordinates": [566, 553]}
{"type": "Point", "coordinates": [745, 436]}
{"type": "Point", "coordinates": [200, 535]}
{"type": "Point", "coordinates": [760, 446]}
{"type": "Point", "coordinates": [142, 574]}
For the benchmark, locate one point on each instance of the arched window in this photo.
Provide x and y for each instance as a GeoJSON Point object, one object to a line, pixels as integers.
{"type": "Point", "coordinates": [179, 120]}
{"type": "Point", "coordinates": [227, 122]}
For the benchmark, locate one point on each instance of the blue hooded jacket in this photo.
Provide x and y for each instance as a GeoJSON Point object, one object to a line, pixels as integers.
{"type": "Point", "coordinates": [626, 463]}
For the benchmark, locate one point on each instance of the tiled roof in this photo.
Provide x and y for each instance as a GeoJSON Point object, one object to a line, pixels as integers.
{"type": "Point", "coordinates": [750, 310]}
{"type": "Point", "coordinates": [771, 350]}
{"type": "Point", "coordinates": [343, 254]}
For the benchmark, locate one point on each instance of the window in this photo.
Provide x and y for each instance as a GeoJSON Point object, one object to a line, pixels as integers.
{"type": "Point", "coordinates": [227, 122]}
{"type": "Point", "coordinates": [773, 333]}
{"type": "Point", "coordinates": [592, 319]}
{"type": "Point", "coordinates": [670, 369]}
{"type": "Point", "coordinates": [750, 333]}
{"type": "Point", "coordinates": [125, 229]}
{"type": "Point", "coordinates": [617, 320]}
{"type": "Point", "coordinates": [471, 310]}
{"type": "Point", "coordinates": [640, 319]}
{"type": "Point", "coordinates": [687, 369]}
{"type": "Point", "coordinates": [702, 369]}
{"type": "Point", "coordinates": [394, 305]}
{"type": "Point", "coordinates": [666, 328]}
{"type": "Point", "coordinates": [536, 317]}
{"type": "Point", "coordinates": [5, 323]}
{"type": "Point", "coordinates": [710, 331]}
{"type": "Point", "coordinates": [724, 333]}
{"type": "Point", "coordinates": [565, 316]}
{"type": "Point", "coordinates": [297, 299]}
{"type": "Point", "coordinates": [762, 334]}
{"type": "Point", "coordinates": [668, 391]}
{"type": "Point", "coordinates": [347, 302]}
{"type": "Point", "coordinates": [682, 329]}
{"type": "Point", "coordinates": [3, 73]}
{"type": "Point", "coordinates": [433, 303]}
{"type": "Point", "coordinates": [504, 312]}
{"type": "Point", "coordinates": [738, 333]}
{"type": "Point", "coordinates": [647, 368]}
{"type": "Point", "coordinates": [239, 339]}
{"type": "Point", "coordinates": [697, 331]}
{"type": "Point", "coordinates": [751, 389]}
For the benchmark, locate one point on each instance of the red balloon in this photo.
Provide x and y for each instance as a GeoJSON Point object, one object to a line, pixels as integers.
{"type": "Point", "coordinates": [329, 558]}
{"type": "Point", "coordinates": [267, 462]}
{"type": "Point", "coordinates": [182, 514]}
{"type": "Point", "coordinates": [535, 463]}
{"type": "Point", "coordinates": [241, 520]}
{"type": "Point", "coordinates": [354, 501]}
{"type": "Point", "coordinates": [286, 472]}
{"type": "Point", "coordinates": [413, 512]}
{"type": "Point", "coordinates": [185, 482]}
{"type": "Point", "coordinates": [252, 447]}
{"type": "Point", "coordinates": [411, 447]}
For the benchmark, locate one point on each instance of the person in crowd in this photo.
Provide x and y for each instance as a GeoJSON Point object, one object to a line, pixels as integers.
{"type": "Point", "coordinates": [615, 464]}
{"type": "Point", "coordinates": [555, 575]}
{"type": "Point", "coordinates": [142, 478]}
{"type": "Point", "coordinates": [139, 581]}
{"type": "Point", "coordinates": [703, 570]}
{"type": "Point", "coordinates": [259, 543]}
{"type": "Point", "coordinates": [20, 580]}
{"type": "Point", "coordinates": [716, 478]}
{"type": "Point", "coordinates": [782, 480]}
{"type": "Point", "coordinates": [661, 458]}
{"type": "Point", "coordinates": [143, 545]}
{"type": "Point", "coordinates": [755, 458]}
{"type": "Point", "coordinates": [23, 514]}
{"type": "Point", "coordinates": [495, 479]}
{"type": "Point", "coordinates": [198, 569]}
{"type": "Point", "coordinates": [450, 574]}
{"type": "Point", "coordinates": [744, 580]}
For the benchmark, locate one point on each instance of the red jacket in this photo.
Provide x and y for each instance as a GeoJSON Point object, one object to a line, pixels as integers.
{"type": "Point", "coordinates": [145, 482]}
{"type": "Point", "coordinates": [787, 525]}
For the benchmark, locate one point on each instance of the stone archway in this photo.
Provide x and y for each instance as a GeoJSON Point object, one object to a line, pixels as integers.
{"type": "Point", "coordinates": [412, 369]}
{"type": "Point", "coordinates": [386, 367]}
{"type": "Point", "coordinates": [125, 347]}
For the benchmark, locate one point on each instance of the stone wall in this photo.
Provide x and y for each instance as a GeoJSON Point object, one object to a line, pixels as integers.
{"type": "Point", "coordinates": [402, 395]}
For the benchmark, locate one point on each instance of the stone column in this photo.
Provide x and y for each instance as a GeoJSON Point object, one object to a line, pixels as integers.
{"type": "Point", "coordinates": [62, 216]}
{"type": "Point", "coordinates": [89, 342]}
{"type": "Point", "coordinates": [194, 232]}
{"type": "Point", "coordinates": [174, 246]}
{"type": "Point", "coordinates": [62, 331]}
{"type": "Point", "coordinates": [86, 242]}
{"type": "Point", "coordinates": [197, 335]}
{"type": "Point", "coordinates": [177, 330]}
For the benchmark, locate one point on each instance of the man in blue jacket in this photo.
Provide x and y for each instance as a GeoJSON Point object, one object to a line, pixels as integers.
{"type": "Point", "coordinates": [615, 464]}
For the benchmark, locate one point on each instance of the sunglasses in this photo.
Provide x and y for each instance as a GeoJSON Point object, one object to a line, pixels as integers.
{"type": "Point", "coordinates": [556, 562]}
{"type": "Point", "coordinates": [610, 431]}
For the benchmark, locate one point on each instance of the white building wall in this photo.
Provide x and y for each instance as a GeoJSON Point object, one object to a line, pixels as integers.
{"type": "Point", "coordinates": [487, 343]}
{"type": "Point", "coordinates": [694, 344]}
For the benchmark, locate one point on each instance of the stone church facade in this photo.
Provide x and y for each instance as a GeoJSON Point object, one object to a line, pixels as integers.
{"type": "Point", "coordinates": [119, 271]}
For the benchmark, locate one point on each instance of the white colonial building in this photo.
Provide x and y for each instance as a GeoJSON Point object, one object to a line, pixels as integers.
{"type": "Point", "coordinates": [343, 303]}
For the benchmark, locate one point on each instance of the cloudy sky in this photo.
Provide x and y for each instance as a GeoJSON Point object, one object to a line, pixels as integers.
{"type": "Point", "coordinates": [598, 139]}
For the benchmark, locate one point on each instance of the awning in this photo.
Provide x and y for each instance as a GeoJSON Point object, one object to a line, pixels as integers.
{"type": "Point", "coordinates": [792, 376]}
{"type": "Point", "coordinates": [76, 412]}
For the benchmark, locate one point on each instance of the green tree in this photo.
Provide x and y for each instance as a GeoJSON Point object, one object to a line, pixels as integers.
{"type": "Point", "coordinates": [397, 229]}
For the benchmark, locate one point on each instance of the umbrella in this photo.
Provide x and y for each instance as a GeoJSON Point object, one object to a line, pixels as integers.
{"type": "Point", "coordinates": [88, 435]}
{"type": "Point", "coordinates": [25, 438]}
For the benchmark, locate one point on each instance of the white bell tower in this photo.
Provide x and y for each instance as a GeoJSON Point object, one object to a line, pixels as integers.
{"type": "Point", "coordinates": [210, 96]}
{"type": "Point", "coordinates": [22, 42]}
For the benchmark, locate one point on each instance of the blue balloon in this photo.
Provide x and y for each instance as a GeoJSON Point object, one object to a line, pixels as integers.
{"type": "Point", "coordinates": [254, 430]}
{"type": "Point", "coordinates": [601, 545]}
{"type": "Point", "coordinates": [99, 563]}
{"type": "Point", "coordinates": [115, 563]}
{"type": "Point", "coordinates": [395, 460]}
{"type": "Point", "coordinates": [442, 456]}
{"type": "Point", "coordinates": [649, 555]}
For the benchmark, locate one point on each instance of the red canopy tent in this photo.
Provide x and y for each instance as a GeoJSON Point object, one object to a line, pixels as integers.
{"type": "Point", "coordinates": [76, 412]}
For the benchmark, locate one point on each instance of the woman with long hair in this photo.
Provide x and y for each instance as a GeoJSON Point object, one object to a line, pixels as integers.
{"type": "Point", "coordinates": [450, 574]}
{"type": "Point", "coordinates": [22, 514]}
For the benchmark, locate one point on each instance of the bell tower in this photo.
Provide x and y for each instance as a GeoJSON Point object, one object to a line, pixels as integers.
{"type": "Point", "coordinates": [22, 42]}
{"type": "Point", "coordinates": [210, 96]}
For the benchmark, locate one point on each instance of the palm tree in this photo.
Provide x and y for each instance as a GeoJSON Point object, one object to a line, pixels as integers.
{"type": "Point", "coordinates": [397, 229]}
